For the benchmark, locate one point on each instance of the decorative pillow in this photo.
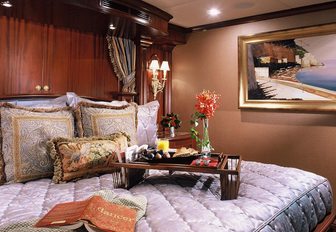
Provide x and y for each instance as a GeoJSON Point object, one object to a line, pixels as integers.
{"type": "Point", "coordinates": [100, 120]}
{"type": "Point", "coordinates": [147, 123]}
{"type": "Point", "coordinates": [25, 132]}
{"type": "Point", "coordinates": [81, 157]}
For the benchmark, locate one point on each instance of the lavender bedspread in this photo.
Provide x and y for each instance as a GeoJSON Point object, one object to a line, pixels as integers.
{"type": "Point", "coordinates": [271, 198]}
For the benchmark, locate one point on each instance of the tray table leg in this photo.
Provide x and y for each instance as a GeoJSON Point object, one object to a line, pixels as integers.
{"type": "Point", "coordinates": [222, 178]}
{"type": "Point", "coordinates": [229, 185]}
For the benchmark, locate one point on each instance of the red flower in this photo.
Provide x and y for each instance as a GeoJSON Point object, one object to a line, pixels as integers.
{"type": "Point", "coordinates": [207, 103]}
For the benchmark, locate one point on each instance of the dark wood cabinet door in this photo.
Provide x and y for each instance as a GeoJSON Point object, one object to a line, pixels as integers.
{"type": "Point", "coordinates": [59, 59]}
{"type": "Point", "coordinates": [57, 75]}
{"type": "Point", "coordinates": [22, 56]}
{"type": "Point", "coordinates": [82, 62]}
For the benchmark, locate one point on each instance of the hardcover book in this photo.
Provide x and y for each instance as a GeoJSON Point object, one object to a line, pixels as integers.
{"type": "Point", "coordinates": [96, 214]}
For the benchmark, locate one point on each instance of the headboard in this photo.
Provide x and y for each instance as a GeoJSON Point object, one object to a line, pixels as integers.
{"type": "Point", "coordinates": [29, 100]}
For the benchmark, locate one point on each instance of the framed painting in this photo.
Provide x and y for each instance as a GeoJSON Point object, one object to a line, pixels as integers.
{"type": "Point", "coordinates": [292, 69]}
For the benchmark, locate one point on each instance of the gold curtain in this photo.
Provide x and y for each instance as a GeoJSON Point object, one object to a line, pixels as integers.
{"type": "Point", "coordinates": [123, 57]}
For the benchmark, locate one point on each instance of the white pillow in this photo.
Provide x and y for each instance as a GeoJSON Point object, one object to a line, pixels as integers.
{"type": "Point", "coordinates": [147, 123]}
{"type": "Point", "coordinates": [58, 102]}
{"type": "Point", "coordinates": [73, 99]}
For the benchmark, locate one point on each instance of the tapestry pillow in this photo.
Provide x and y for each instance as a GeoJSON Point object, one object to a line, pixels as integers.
{"type": "Point", "coordinates": [147, 126]}
{"type": "Point", "coordinates": [82, 157]}
{"type": "Point", "coordinates": [25, 132]}
{"type": "Point", "coordinates": [100, 120]}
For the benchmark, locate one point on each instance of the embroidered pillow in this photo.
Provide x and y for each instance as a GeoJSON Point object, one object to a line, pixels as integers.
{"type": "Point", "coordinates": [25, 132]}
{"type": "Point", "coordinates": [81, 157]}
{"type": "Point", "coordinates": [100, 120]}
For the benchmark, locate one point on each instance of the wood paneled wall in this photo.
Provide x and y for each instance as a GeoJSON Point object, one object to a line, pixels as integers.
{"type": "Point", "coordinates": [145, 52]}
{"type": "Point", "coordinates": [62, 45]}
{"type": "Point", "coordinates": [63, 59]}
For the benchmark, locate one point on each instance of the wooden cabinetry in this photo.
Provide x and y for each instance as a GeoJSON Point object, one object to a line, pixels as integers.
{"type": "Point", "coordinates": [49, 47]}
{"type": "Point", "coordinates": [41, 59]}
{"type": "Point", "coordinates": [25, 46]}
{"type": "Point", "coordinates": [22, 60]}
{"type": "Point", "coordinates": [181, 139]}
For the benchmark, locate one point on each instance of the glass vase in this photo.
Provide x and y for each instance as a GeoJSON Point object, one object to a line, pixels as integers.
{"type": "Point", "coordinates": [172, 131]}
{"type": "Point", "coordinates": [206, 147]}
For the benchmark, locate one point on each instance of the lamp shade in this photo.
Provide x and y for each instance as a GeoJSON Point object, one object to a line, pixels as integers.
{"type": "Point", "coordinates": [165, 66]}
{"type": "Point", "coordinates": [154, 65]}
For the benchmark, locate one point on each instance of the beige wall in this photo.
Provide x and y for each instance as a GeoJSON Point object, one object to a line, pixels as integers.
{"type": "Point", "coordinates": [210, 61]}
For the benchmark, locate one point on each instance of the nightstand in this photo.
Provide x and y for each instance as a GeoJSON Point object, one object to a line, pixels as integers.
{"type": "Point", "coordinates": [181, 139]}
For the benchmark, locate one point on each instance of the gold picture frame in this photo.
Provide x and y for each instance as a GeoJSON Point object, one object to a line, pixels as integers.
{"type": "Point", "coordinates": [289, 69]}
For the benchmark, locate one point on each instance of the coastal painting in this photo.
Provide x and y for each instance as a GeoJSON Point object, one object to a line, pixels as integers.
{"type": "Point", "coordinates": [291, 69]}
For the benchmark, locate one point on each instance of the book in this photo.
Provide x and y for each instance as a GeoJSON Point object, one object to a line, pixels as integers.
{"type": "Point", "coordinates": [95, 213]}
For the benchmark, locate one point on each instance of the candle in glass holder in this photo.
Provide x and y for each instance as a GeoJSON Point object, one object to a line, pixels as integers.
{"type": "Point", "coordinates": [163, 144]}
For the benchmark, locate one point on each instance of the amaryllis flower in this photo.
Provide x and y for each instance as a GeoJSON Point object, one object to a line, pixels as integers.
{"type": "Point", "coordinates": [207, 103]}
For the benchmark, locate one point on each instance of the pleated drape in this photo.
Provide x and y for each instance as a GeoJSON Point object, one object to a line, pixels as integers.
{"type": "Point", "coordinates": [123, 57]}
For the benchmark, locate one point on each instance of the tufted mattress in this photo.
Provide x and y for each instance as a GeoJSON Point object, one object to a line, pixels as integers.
{"type": "Point", "coordinates": [271, 198]}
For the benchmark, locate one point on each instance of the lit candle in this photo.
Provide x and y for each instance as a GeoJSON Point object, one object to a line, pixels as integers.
{"type": "Point", "coordinates": [163, 144]}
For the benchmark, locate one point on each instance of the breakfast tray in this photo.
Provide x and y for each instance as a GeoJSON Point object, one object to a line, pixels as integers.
{"type": "Point", "coordinates": [228, 168]}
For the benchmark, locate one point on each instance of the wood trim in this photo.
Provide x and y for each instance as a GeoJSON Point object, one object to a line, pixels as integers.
{"type": "Point", "coordinates": [176, 36]}
{"type": "Point", "coordinates": [178, 28]}
{"type": "Point", "coordinates": [34, 96]}
{"type": "Point", "coordinates": [271, 15]}
{"type": "Point", "coordinates": [142, 44]}
{"type": "Point", "coordinates": [167, 55]}
{"type": "Point", "coordinates": [124, 96]}
{"type": "Point", "coordinates": [326, 223]}
{"type": "Point", "coordinates": [159, 19]}
{"type": "Point", "coordinates": [141, 5]}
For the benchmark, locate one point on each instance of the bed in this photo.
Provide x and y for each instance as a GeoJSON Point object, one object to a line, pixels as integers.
{"type": "Point", "coordinates": [270, 198]}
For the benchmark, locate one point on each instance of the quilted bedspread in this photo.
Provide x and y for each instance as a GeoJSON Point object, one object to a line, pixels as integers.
{"type": "Point", "coordinates": [271, 198]}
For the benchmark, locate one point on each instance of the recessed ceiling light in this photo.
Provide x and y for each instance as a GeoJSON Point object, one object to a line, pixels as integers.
{"type": "Point", "coordinates": [112, 27]}
{"type": "Point", "coordinates": [213, 12]}
{"type": "Point", "coordinates": [6, 4]}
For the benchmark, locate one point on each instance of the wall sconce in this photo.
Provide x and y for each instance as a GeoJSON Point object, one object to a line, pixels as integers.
{"type": "Point", "coordinates": [158, 85]}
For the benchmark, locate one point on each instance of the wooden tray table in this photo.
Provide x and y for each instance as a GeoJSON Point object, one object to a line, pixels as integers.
{"type": "Point", "coordinates": [228, 169]}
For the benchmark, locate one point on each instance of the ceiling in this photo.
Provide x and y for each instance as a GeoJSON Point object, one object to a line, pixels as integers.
{"type": "Point", "coordinates": [192, 13]}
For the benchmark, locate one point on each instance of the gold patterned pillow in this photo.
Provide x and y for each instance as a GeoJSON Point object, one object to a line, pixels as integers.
{"type": "Point", "coordinates": [25, 132]}
{"type": "Point", "coordinates": [100, 120]}
{"type": "Point", "coordinates": [82, 157]}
